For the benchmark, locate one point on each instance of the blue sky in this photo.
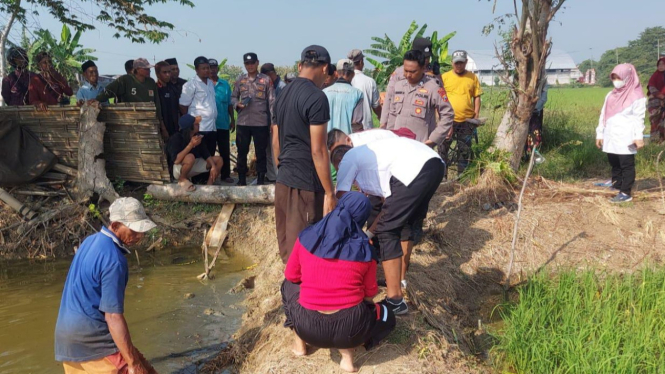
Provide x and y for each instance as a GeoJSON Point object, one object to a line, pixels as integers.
{"type": "Point", "coordinates": [278, 30]}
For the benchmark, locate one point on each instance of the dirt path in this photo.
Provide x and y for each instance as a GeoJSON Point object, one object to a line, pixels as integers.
{"type": "Point", "coordinates": [455, 277]}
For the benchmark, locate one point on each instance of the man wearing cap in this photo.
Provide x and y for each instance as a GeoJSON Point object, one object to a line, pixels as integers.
{"type": "Point", "coordinates": [15, 85]}
{"type": "Point", "coordinates": [198, 99]}
{"type": "Point", "coordinates": [304, 191]}
{"type": "Point", "coordinates": [387, 119]}
{"type": "Point", "coordinates": [168, 97]}
{"type": "Point", "coordinates": [253, 98]}
{"type": "Point", "coordinates": [175, 75]}
{"type": "Point", "coordinates": [90, 87]}
{"type": "Point", "coordinates": [137, 87]}
{"type": "Point", "coordinates": [225, 122]}
{"type": "Point", "coordinates": [91, 333]}
{"type": "Point", "coordinates": [413, 102]}
{"type": "Point", "coordinates": [463, 89]}
{"type": "Point", "coordinates": [277, 83]}
{"type": "Point", "coordinates": [346, 101]}
{"type": "Point", "coordinates": [371, 98]}
{"type": "Point", "coordinates": [190, 155]}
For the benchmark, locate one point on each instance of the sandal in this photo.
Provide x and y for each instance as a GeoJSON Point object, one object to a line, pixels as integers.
{"type": "Point", "coordinates": [186, 186]}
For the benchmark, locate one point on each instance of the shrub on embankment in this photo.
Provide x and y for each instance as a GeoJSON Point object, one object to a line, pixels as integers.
{"type": "Point", "coordinates": [586, 323]}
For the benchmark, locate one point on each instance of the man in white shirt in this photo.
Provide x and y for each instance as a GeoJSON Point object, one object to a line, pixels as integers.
{"type": "Point", "coordinates": [198, 99]}
{"type": "Point", "coordinates": [406, 174]}
{"type": "Point", "coordinates": [371, 98]}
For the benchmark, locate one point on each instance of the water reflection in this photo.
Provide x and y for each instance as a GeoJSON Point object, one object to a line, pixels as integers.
{"type": "Point", "coordinates": [172, 331]}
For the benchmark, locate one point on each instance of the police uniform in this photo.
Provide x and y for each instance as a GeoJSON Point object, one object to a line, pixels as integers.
{"type": "Point", "coordinates": [415, 108]}
{"type": "Point", "coordinates": [254, 119]}
{"type": "Point", "coordinates": [397, 76]}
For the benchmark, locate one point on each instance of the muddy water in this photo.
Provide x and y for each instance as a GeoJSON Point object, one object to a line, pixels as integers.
{"type": "Point", "coordinates": [172, 331]}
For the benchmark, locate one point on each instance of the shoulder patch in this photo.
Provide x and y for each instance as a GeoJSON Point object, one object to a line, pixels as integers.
{"type": "Point", "coordinates": [443, 94]}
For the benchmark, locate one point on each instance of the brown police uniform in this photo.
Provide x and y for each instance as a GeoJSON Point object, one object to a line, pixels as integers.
{"type": "Point", "coordinates": [387, 118]}
{"type": "Point", "coordinates": [254, 120]}
{"type": "Point", "coordinates": [414, 107]}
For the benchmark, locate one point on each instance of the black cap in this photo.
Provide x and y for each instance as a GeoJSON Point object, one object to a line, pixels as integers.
{"type": "Point", "coordinates": [171, 61]}
{"type": "Point", "coordinates": [267, 68]}
{"type": "Point", "coordinates": [87, 65]}
{"type": "Point", "coordinates": [200, 60]}
{"type": "Point", "coordinates": [315, 53]}
{"type": "Point", "coordinates": [250, 57]}
{"type": "Point", "coordinates": [129, 65]}
{"type": "Point", "coordinates": [213, 62]}
{"type": "Point", "coordinates": [424, 45]}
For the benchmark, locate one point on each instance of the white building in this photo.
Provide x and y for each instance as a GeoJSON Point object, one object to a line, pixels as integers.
{"type": "Point", "coordinates": [561, 69]}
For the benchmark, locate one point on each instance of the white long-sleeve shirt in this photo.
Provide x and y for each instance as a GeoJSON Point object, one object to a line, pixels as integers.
{"type": "Point", "coordinates": [621, 130]}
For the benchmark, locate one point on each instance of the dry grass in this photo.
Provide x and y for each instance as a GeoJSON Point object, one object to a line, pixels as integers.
{"type": "Point", "coordinates": [455, 276]}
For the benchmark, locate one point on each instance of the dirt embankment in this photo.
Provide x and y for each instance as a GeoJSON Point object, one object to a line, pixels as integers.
{"type": "Point", "coordinates": [455, 276]}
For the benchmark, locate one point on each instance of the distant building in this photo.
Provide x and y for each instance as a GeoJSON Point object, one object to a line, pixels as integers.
{"type": "Point", "coordinates": [561, 69]}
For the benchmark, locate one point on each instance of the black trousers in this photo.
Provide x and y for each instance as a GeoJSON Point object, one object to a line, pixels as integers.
{"type": "Point", "coordinates": [224, 145]}
{"type": "Point", "coordinates": [623, 172]}
{"type": "Point", "coordinates": [261, 136]}
{"type": "Point", "coordinates": [405, 208]}
{"type": "Point", "coordinates": [463, 132]}
{"type": "Point", "coordinates": [364, 324]}
{"type": "Point", "coordinates": [210, 140]}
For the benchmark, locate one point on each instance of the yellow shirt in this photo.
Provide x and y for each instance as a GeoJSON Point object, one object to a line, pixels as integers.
{"type": "Point", "coordinates": [461, 90]}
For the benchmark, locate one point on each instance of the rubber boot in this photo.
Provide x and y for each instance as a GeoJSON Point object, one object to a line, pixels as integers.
{"type": "Point", "coordinates": [261, 179]}
{"type": "Point", "coordinates": [242, 180]}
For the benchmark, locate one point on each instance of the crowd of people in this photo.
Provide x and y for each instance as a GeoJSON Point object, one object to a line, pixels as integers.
{"type": "Point", "coordinates": [348, 196]}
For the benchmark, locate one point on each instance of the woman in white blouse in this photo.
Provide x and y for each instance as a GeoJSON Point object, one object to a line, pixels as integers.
{"type": "Point", "coordinates": [620, 131]}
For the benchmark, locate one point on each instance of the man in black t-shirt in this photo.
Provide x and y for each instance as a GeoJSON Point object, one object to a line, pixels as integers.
{"type": "Point", "coordinates": [190, 156]}
{"type": "Point", "coordinates": [304, 192]}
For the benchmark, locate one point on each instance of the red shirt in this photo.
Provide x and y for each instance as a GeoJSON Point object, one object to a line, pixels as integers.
{"type": "Point", "coordinates": [48, 92]}
{"type": "Point", "coordinates": [330, 284]}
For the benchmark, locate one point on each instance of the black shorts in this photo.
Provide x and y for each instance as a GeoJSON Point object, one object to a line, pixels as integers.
{"type": "Point", "coordinates": [364, 324]}
{"type": "Point", "coordinates": [405, 208]}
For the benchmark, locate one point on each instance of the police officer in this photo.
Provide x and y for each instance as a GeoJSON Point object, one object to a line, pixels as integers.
{"type": "Point", "coordinates": [253, 98]}
{"type": "Point", "coordinates": [415, 99]}
{"type": "Point", "coordinates": [431, 70]}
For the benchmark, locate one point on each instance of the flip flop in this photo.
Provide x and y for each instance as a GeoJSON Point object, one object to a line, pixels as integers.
{"type": "Point", "coordinates": [186, 186]}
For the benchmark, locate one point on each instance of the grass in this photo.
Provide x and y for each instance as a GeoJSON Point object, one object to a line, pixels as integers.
{"type": "Point", "coordinates": [586, 323]}
{"type": "Point", "coordinates": [571, 117]}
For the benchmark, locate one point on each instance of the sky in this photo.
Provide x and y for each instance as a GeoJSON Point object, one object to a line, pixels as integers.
{"type": "Point", "coordinates": [278, 30]}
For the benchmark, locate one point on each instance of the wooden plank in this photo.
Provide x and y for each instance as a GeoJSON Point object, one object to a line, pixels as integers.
{"type": "Point", "coordinates": [218, 232]}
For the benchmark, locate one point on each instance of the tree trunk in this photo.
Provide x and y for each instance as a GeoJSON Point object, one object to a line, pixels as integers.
{"type": "Point", "coordinates": [91, 176]}
{"type": "Point", "coordinates": [513, 131]}
{"type": "Point", "coordinates": [215, 194]}
{"type": "Point", "coordinates": [3, 42]}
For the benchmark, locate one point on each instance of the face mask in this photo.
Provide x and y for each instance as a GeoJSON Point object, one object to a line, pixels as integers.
{"type": "Point", "coordinates": [618, 84]}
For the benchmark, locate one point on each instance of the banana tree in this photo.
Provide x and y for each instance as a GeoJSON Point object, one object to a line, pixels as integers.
{"type": "Point", "coordinates": [392, 54]}
{"type": "Point", "coordinates": [440, 50]}
{"type": "Point", "coordinates": [66, 53]}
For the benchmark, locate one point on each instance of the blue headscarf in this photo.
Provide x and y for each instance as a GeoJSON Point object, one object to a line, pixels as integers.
{"type": "Point", "coordinates": [339, 235]}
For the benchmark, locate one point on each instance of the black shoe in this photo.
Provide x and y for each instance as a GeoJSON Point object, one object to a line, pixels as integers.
{"type": "Point", "coordinates": [398, 307]}
{"type": "Point", "coordinates": [261, 179]}
{"type": "Point", "coordinates": [242, 180]}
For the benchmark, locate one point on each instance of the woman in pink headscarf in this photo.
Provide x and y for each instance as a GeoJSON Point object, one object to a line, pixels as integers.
{"type": "Point", "coordinates": [656, 88]}
{"type": "Point", "coordinates": [620, 131]}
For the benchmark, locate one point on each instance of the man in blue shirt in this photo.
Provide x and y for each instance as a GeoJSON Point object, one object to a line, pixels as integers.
{"type": "Point", "coordinates": [91, 334]}
{"type": "Point", "coordinates": [225, 122]}
{"type": "Point", "coordinates": [90, 87]}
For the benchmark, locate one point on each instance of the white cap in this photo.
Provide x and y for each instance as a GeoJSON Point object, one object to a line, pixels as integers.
{"type": "Point", "coordinates": [130, 212]}
{"type": "Point", "coordinates": [344, 64]}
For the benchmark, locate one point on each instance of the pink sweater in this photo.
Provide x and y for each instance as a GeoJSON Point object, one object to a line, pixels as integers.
{"type": "Point", "coordinates": [330, 284]}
